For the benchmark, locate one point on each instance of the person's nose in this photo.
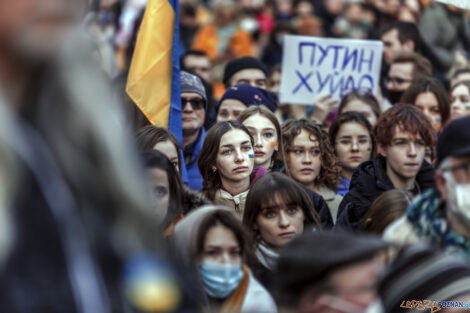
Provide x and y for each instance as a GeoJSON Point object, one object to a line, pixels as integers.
{"type": "Point", "coordinates": [355, 145]}
{"type": "Point", "coordinates": [412, 150]}
{"type": "Point", "coordinates": [238, 156]}
{"type": "Point", "coordinates": [187, 107]}
{"type": "Point", "coordinates": [258, 142]}
{"type": "Point", "coordinates": [283, 219]}
{"type": "Point", "coordinates": [225, 258]}
{"type": "Point", "coordinates": [307, 158]}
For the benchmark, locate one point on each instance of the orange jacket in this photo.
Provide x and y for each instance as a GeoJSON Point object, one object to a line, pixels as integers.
{"type": "Point", "coordinates": [241, 43]}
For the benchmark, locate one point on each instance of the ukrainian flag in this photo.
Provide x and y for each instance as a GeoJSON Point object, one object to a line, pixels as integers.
{"type": "Point", "coordinates": [154, 75]}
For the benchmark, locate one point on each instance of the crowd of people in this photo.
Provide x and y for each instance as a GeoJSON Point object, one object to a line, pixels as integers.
{"type": "Point", "coordinates": [355, 205]}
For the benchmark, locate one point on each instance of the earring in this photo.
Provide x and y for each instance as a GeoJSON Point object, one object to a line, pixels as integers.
{"type": "Point", "coordinates": [214, 169]}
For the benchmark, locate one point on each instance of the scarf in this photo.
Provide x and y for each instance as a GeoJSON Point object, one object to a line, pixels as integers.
{"type": "Point", "coordinates": [235, 301]}
{"type": "Point", "coordinates": [266, 255]}
{"type": "Point", "coordinates": [428, 219]}
{"type": "Point", "coordinates": [236, 202]}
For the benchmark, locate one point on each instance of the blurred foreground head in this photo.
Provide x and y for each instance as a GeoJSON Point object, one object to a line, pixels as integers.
{"type": "Point", "coordinates": [329, 272]}
{"type": "Point", "coordinates": [35, 29]}
{"type": "Point", "coordinates": [423, 273]}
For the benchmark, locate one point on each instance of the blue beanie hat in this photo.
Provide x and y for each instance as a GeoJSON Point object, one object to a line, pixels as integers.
{"type": "Point", "coordinates": [249, 95]}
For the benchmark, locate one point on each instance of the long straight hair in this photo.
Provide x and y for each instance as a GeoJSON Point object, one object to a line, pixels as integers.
{"type": "Point", "coordinates": [265, 112]}
{"type": "Point", "coordinates": [208, 155]}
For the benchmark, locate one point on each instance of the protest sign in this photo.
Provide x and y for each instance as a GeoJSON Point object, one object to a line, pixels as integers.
{"type": "Point", "coordinates": [313, 67]}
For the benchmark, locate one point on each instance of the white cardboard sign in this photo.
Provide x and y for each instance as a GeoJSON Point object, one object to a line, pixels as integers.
{"type": "Point", "coordinates": [313, 67]}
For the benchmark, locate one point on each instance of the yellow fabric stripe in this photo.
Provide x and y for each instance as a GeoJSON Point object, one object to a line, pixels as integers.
{"type": "Point", "coordinates": [150, 73]}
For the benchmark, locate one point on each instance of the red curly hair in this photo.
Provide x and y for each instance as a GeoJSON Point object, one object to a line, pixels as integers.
{"type": "Point", "coordinates": [409, 118]}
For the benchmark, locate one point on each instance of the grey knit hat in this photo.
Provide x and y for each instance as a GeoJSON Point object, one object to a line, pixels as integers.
{"type": "Point", "coordinates": [192, 83]}
{"type": "Point", "coordinates": [421, 272]}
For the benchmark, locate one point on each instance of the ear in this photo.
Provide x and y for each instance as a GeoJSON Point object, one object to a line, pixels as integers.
{"type": "Point", "coordinates": [255, 226]}
{"type": "Point", "coordinates": [409, 45]}
{"type": "Point", "coordinates": [382, 150]}
{"type": "Point", "coordinates": [441, 184]}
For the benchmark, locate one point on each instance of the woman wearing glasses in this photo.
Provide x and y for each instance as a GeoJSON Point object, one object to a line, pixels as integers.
{"type": "Point", "coordinates": [311, 161]}
{"type": "Point", "coordinates": [351, 136]}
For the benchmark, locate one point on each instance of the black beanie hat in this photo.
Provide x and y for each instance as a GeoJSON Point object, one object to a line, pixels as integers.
{"type": "Point", "coordinates": [242, 63]}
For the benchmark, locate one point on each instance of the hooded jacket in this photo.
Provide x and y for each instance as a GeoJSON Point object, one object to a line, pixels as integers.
{"type": "Point", "coordinates": [368, 182]}
{"type": "Point", "coordinates": [184, 242]}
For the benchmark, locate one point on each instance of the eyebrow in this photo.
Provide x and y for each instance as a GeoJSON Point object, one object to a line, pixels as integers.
{"type": "Point", "coordinates": [278, 206]}
{"type": "Point", "coordinates": [220, 247]}
{"type": "Point", "coordinates": [230, 145]}
{"type": "Point", "coordinates": [350, 136]}
{"type": "Point", "coordinates": [303, 147]}
{"type": "Point", "coordinates": [263, 129]}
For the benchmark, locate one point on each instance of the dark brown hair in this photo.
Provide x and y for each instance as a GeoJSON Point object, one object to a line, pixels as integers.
{"type": "Point", "coordinates": [147, 137]}
{"type": "Point", "coordinates": [429, 84]}
{"type": "Point", "coordinates": [208, 155]}
{"type": "Point", "coordinates": [267, 113]}
{"type": "Point", "coordinates": [388, 207]}
{"type": "Point", "coordinates": [367, 97]}
{"type": "Point", "coordinates": [421, 66]}
{"type": "Point", "coordinates": [287, 189]}
{"type": "Point", "coordinates": [409, 119]}
{"type": "Point", "coordinates": [351, 117]}
{"type": "Point", "coordinates": [156, 159]}
{"type": "Point", "coordinates": [330, 168]}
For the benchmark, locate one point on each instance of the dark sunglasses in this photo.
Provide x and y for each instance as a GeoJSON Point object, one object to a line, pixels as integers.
{"type": "Point", "coordinates": [196, 103]}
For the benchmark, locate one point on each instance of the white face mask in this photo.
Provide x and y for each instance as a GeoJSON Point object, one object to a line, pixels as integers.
{"type": "Point", "coordinates": [458, 198]}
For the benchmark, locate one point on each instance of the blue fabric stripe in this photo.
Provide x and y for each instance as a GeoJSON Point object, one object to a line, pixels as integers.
{"type": "Point", "coordinates": [174, 118]}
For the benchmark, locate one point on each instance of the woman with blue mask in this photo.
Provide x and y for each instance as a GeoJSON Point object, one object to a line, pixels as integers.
{"type": "Point", "coordinates": [211, 241]}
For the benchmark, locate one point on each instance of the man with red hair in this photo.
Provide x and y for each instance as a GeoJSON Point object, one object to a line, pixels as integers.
{"type": "Point", "coordinates": [401, 134]}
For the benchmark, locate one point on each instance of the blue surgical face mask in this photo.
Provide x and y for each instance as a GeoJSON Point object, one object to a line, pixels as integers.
{"type": "Point", "coordinates": [220, 280]}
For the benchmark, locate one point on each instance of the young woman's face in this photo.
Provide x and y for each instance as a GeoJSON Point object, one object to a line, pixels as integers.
{"type": "Point", "coordinates": [160, 189]}
{"type": "Point", "coordinates": [460, 105]}
{"type": "Point", "coordinates": [279, 224]}
{"type": "Point", "coordinates": [169, 150]}
{"type": "Point", "coordinates": [304, 158]}
{"type": "Point", "coordinates": [428, 103]}
{"type": "Point", "coordinates": [235, 159]}
{"type": "Point", "coordinates": [229, 110]}
{"type": "Point", "coordinates": [353, 145]}
{"type": "Point", "coordinates": [221, 246]}
{"type": "Point", "coordinates": [357, 105]}
{"type": "Point", "coordinates": [265, 136]}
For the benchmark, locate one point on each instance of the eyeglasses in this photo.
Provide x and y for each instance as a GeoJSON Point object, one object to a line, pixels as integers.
{"type": "Point", "coordinates": [196, 103]}
{"type": "Point", "coordinates": [464, 166]}
{"type": "Point", "coordinates": [397, 81]}
{"type": "Point", "coordinates": [348, 142]}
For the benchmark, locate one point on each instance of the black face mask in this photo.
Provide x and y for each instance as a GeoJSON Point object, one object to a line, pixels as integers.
{"type": "Point", "coordinates": [394, 96]}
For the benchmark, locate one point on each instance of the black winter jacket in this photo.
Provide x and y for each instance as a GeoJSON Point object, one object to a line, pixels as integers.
{"type": "Point", "coordinates": [368, 182]}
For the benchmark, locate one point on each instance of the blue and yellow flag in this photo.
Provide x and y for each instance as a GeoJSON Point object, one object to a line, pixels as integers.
{"type": "Point", "coordinates": [154, 75]}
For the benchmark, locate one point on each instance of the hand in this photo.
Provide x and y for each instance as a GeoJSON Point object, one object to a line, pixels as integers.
{"type": "Point", "coordinates": [322, 107]}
